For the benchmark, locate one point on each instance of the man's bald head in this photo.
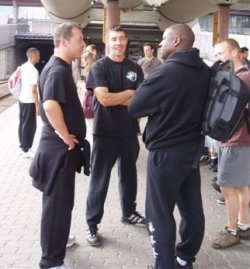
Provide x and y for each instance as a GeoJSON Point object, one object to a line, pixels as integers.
{"type": "Point", "coordinates": [175, 38]}
{"type": "Point", "coordinates": [184, 32]}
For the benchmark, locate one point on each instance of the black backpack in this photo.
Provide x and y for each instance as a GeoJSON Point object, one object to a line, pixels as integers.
{"type": "Point", "coordinates": [225, 109]}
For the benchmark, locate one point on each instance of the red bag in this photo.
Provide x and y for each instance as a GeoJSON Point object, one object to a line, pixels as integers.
{"type": "Point", "coordinates": [88, 105]}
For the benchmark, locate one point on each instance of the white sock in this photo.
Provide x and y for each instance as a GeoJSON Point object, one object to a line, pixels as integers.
{"type": "Point", "coordinates": [243, 226]}
{"type": "Point", "coordinates": [232, 231]}
{"type": "Point", "coordinates": [180, 261]}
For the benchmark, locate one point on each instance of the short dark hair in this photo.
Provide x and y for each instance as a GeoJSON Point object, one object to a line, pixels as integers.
{"type": "Point", "coordinates": [64, 30]}
{"type": "Point", "coordinates": [31, 51]}
{"type": "Point", "coordinates": [244, 49]}
{"type": "Point", "coordinates": [147, 44]}
{"type": "Point", "coordinates": [116, 28]}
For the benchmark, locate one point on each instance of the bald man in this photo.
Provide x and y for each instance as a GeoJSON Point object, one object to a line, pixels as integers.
{"type": "Point", "coordinates": [173, 98]}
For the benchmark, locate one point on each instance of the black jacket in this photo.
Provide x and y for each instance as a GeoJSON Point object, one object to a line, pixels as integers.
{"type": "Point", "coordinates": [173, 98]}
{"type": "Point", "coordinates": [52, 157]}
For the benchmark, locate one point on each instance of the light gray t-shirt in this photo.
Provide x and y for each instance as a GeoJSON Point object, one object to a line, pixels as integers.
{"type": "Point", "coordinates": [148, 65]}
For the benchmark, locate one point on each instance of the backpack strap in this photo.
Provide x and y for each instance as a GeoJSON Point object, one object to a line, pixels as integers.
{"type": "Point", "coordinates": [246, 115]}
{"type": "Point", "coordinates": [247, 119]}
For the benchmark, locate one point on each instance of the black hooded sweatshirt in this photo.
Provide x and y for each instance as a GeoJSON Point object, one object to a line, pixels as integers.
{"type": "Point", "coordinates": [173, 97]}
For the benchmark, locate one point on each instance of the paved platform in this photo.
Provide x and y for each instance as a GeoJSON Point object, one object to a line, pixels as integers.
{"type": "Point", "coordinates": [4, 90]}
{"type": "Point", "coordinates": [125, 246]}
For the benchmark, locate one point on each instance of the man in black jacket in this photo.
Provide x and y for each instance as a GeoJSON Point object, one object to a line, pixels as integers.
{"type": "Point", "coordinates": [173, 97]}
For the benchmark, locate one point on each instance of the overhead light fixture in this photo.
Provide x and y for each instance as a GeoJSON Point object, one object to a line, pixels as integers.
{"type": "Point", "coordinates": [156, 3]}
{"type": "Point", "coordinates": [224, 2]}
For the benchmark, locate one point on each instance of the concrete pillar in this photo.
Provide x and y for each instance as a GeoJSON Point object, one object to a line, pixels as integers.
{"type": "Point", "coordinates": [113, 13]}
{"type": "Point", "coordinates": [111, 17]}
{"type": "Point", "coordinates": [215, 28]}
{"type": "Point", "coordinates": [224, 15]}
{"type": "Point", "coordinates": [15, 11]}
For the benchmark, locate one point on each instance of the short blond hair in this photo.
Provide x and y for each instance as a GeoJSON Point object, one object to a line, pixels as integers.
{"type": "Point", "coordinates": [88, 60]}
{"type": "Point", "coordinates": [232, 43]}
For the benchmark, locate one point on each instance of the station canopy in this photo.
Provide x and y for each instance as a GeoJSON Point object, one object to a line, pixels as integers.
{"type": "Point", "coordinates": [158, 12]}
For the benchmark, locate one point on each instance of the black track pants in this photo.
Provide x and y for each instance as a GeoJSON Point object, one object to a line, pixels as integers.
{"type": "Point", "coordinates": [56, 215]}
{"type": "Point", "coordinates": [27, 125]}
{"type": "Point", "coordinates": [171, 180]}
{"type": "Point", "coordinates": [106, 151]}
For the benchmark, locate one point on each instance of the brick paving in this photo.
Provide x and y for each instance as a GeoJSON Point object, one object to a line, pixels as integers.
{"type": "Point", "coordinates": [125, 247]}
{"type": "Point", "coordinates": [6, 99]}
{"type": "Point", "coordinates": [3, 90]}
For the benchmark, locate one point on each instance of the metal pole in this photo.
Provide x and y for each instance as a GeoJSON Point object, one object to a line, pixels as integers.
{"type": "Point", "coordinates": [111, 18]}
{"type": "Point", "coordinates": [15, 11]}
{"type": "Point", "coordinates": [215, 28]}
{"type": "Point", "coordinates": [224, 15]}
{"type": "Point", "coordinates": [113, 13]}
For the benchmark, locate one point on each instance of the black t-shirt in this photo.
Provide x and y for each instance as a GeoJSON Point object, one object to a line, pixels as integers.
{"type": "Point", "coordinates": [56, 83]}
{"type": "Point", "coordinates": [116, 76]}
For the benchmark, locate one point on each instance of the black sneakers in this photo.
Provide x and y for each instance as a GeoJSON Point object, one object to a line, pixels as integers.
{"type": "Point", "coordinates": [94, 239]}
{"type": "Point", "coordinates": [221, 201]}
{"type": "Point", "coordinates": [92, 236]}
{"type": "Point", "coordinates": [204, 159]}
{"type": "Point", "coordinates": [135, 219]}
{"type": "Point", "coordinates": [214, 179]}
{"type": "Point", "coordinates": [177, 266]}
{"type": "Point", "coordinates": [214, 165]}
{"type": "Point", "coordinates": [216, 186]}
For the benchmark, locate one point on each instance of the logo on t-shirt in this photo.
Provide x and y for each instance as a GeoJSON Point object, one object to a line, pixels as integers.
{"type": "Point", "coordinates": [132, 76]}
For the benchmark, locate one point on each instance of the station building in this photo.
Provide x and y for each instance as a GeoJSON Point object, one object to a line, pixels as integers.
{"type": "Point", "coordinates": [28, 23]}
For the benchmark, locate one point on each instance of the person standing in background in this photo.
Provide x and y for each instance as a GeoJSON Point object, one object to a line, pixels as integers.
{"type": "Point", "coordinates": [88, 59]}
{"type": "Point", "coordinates": [28, 102]}
{"type": "Point", "coordinates": [76, 71]}
{"type": "Point", "coordinates": [93, 49]}
{"type": "Point", "coordinates": [149, 61]}
{"type": "Point", "coordinates": [244, 56]}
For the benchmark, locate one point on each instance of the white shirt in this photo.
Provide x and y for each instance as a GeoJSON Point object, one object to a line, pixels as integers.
{"type": "Point", "coordinates": [29, 78]}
